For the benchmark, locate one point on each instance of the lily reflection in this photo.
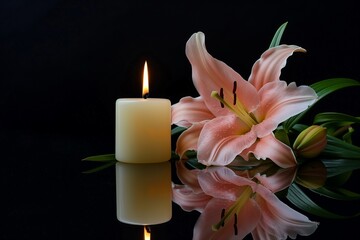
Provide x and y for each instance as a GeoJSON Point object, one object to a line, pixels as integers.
{"type": "Point", "coordinates": [241, 199]}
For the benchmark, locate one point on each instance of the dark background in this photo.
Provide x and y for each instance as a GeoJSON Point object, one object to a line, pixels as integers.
{"type": "Point", "coordinates": [64, 63]}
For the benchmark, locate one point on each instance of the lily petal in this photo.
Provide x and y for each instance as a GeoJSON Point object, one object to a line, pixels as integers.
{"type": "Point", "coordinates": [226, 187]}
{"type": "Point", "coordinates": [280, 102]}
{"type": "Point", "coordinates": [188, 177]}
{"type": "Point", "coordinates": [270, 147]}
{"type": "Point", "coordinates": [222, 139]}
{"type": "Point", "coordinates": [188, 200]}
{"type": "Point", "coordinates": [189, 111]}
{"type": "Point", "coordinates": [222, 183]}
{"type": "Point", "coordinates": [188, 139]}
{"type": "Point", "coordinates": [278, 181]}
{"type": "Point", "coordinates": [279, 220]}
{"type": "Point", "coordinates": [210, 74]}
{"type": "Point", "coordinates": [268, 67]}
{"type": "Point", "coordinates": [247, 220]}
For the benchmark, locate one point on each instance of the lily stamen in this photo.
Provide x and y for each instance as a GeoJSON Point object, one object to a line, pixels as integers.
{"type": "Point", "coordinates": [222, 216]}
{"type": "Point", "coordinates": [222, 97]}
{"type": "Point", "coordinates": [234, 86]}
{"type": "Point", "coordinates": [234, 92]}
{"type": "Point", "coordinates": [239, 110]}
{"type": "Point", "coordinates": [235, 225]}
{"type": "Point", "coordinates": [235, 208]}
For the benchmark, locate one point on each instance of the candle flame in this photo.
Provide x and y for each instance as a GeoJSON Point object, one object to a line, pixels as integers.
{"type": "Point", "coordinates": [145, 90]}
{"type": "Point", "coordinates": [146, 233]}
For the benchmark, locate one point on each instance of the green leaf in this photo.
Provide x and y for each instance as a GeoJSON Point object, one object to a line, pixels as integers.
{"type": "Point", "coordinates": [297, 197]}
{"type": "Point", "coordinates": [338, 180]}
{"type": "Point", "coordinates": [193, 162]}
{"type": "Point", "coordinates": [278, 34]}
{"type": "Point", "coordinates": [282, 136]}
{"type": "Point", "coordinates": [340, 118]}
{"type": "Point", "coordinates": [177, 130]}
{"type": "Point", "coordinates": [191, 154]}
{"type": "Point", "coordinates": [102, 167]}
{"type": "Point", "coordinates": [337, 193]}
{"type": "Point", "coordinates": [338, 166]}
{"type": "Point", "coordinates": [337, 124]}
{"type": "Point", "coordinates": [327, 86]}
{"type": "Point", "coordinates": [347, 136]}
{"type": "Point", "coordinates": [174, 156]}
{"type": "Point", "coordinates": [322, 89]}
{"type": "Point", "coordinates": [101, 158]}
{"type": "Point", "coordinates": [299, 127]}
{"type": "Point", "coordinates": [337, 148]}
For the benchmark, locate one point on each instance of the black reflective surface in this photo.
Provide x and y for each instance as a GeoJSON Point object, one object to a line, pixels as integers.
{"type": "Point", "coordinates": [64, 63]}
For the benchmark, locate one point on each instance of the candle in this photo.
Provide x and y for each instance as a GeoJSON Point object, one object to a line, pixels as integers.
{"type": "Point", "coordinates": [143, 193]}
{"type": "Point", "coordinates": [143, 128]}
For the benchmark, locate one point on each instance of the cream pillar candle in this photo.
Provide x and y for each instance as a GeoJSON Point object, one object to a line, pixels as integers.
{"type": "Point", "coordinates": [143, 128]}
{"type": "Point", "coordinates": [143, 193]}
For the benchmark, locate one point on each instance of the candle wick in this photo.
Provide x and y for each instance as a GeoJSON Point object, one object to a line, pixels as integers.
{"type": "Point", "coordinates": [146, 95]}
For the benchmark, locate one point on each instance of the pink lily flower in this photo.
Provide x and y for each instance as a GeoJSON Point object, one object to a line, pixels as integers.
{"type": "Point", "coordinates": [233, 116]}
{"type": "Point", "coordinates": [189, 195]}
{"type": "Point", "coordinates": [232, 206]}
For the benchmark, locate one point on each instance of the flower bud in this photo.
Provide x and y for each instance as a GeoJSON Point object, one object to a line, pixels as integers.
{"type": "Point", "coordinates": [311, 174]}
{"type": "Point", "coordinates": [310, 142]}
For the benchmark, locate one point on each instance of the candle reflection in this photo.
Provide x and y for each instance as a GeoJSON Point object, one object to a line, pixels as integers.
{"type": "Point", "coordinates": [147, 233]}
{"type": "Point", "coordinates": [143, 193]}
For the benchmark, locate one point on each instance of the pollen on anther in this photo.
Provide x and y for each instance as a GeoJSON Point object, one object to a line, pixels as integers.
{"type": "Point", "coordinates": [234, 87]}
{"type": "Point", "coordinates": [222, 96]}
{"type": "Point", "coordinates": [222, 215]}
{"type": "Point", "coordinates": [234, 92]}
{"type": "Point", "coordinates": [235, 224]}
